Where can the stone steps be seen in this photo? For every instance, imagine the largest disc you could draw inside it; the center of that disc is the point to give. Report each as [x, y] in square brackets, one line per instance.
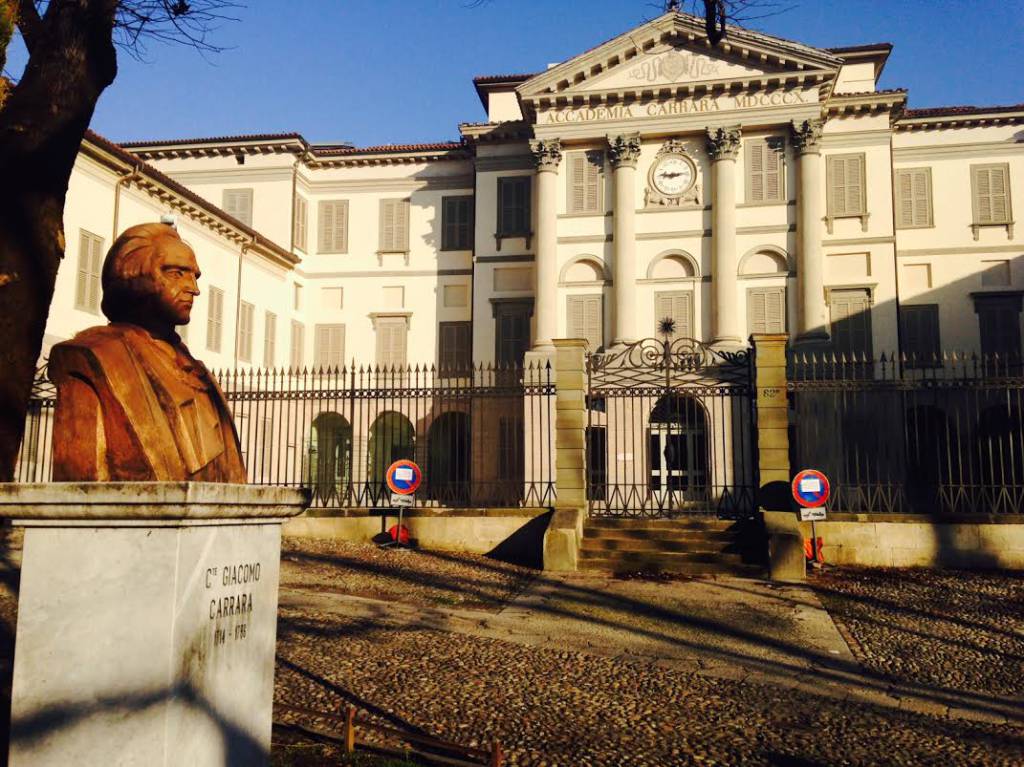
[687, 546]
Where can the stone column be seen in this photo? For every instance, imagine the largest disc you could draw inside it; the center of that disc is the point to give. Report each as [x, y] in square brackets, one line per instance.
[547, 153]
[623, 152]
[723, 147]
[565, 531]
[812, 322]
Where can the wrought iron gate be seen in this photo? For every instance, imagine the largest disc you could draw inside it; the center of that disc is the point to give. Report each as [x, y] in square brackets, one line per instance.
[671, 430]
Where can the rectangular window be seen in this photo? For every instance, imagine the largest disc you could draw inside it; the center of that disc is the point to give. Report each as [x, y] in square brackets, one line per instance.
[584, 184]
[846, 185]
[766, 310]
[394, 226]
[765, 158]
[329, 346]
[455, 347]
[919, 335]
[298, 344]
[999, 325]
[677, 306]
[238, 203]
[851, 322]
[214, 319]
[391, 341]
[514, 206]
[990, 189]
[585, 319]
[301, 220]
[332, 298]
[512, 331]
[457, 223]
[914, 198]
[332, 226]
[269, 340]
[246, 318]
[90, 265]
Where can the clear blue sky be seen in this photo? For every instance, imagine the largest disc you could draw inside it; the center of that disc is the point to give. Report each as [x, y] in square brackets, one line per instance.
[373, 72]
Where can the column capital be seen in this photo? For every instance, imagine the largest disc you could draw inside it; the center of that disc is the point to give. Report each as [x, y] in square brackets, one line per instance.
[724, 142]
[547, 153]
[624, 150]
[807, 136]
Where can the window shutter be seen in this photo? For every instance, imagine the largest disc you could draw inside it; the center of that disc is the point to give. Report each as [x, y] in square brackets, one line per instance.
[991, 194]
[913, 192]
[298, 344]
[391, 350]
[755, 170]
[394, 225]
[846, 185]
[238, 203]
[757, 313]
[215, 319]
[774, 157]
[454, 342]
[594, 162]
[387, 224]
[269, 339]
[329, 346]
[402, 225]
[90, 266]
[854, 184]
[919, 331]
[299, 232]
[577, 182]
[245, 328]
[851, 321]
[585, 319]
[514, 206]
[677, 306]
[332, 226]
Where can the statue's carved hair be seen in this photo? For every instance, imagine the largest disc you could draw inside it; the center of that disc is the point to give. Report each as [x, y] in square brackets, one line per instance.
[130, 267]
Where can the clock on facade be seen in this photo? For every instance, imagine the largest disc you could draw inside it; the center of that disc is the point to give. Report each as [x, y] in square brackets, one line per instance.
[673, 174]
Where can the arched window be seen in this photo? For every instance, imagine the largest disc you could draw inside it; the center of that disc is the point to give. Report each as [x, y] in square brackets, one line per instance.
[391, 438]
[330, 457]
[447, 476]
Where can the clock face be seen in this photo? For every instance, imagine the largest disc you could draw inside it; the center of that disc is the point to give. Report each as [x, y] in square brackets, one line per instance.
[673, 175]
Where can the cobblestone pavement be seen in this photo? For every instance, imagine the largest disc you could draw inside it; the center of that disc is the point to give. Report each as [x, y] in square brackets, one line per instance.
[948, 629]
[586, 671]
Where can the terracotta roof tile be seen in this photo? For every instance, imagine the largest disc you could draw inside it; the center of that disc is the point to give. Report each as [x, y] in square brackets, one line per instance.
[216, 140]
[858, 48]
[385, 148]
[954, 111]
[484, 79]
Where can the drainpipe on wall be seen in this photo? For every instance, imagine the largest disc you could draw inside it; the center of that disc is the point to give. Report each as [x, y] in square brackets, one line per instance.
[127, 178]
[238, 292]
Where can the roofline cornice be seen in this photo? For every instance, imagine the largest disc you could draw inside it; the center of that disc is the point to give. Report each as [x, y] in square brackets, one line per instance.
[865, 103]
[177, 197]
[960, 120]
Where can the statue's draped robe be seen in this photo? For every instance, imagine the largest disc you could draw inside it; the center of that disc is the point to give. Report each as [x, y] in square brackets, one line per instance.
[134, 407]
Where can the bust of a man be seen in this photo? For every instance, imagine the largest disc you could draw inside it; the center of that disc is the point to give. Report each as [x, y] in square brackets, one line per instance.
[132, 403]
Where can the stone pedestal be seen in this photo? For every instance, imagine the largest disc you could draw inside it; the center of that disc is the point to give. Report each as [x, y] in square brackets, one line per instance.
[147, 620]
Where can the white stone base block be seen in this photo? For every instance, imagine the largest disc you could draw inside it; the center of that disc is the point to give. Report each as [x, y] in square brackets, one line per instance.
[146, 637]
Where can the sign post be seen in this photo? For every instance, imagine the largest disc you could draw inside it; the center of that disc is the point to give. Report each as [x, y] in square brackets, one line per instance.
[403, 477]
[811, 489]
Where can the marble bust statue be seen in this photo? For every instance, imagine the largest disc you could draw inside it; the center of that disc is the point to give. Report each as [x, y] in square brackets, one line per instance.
[132, 403]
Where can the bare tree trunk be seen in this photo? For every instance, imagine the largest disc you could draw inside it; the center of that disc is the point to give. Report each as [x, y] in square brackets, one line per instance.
[71, 61]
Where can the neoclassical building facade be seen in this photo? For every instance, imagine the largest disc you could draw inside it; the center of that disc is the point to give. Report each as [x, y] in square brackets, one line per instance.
[759, 185]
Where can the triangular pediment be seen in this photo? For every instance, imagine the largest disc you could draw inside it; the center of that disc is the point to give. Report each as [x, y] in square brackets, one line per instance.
[673, 50]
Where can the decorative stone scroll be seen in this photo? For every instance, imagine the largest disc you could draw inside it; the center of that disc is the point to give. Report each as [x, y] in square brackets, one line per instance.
[624, 151]
[724, 143]
[807, 136]
[547, 153]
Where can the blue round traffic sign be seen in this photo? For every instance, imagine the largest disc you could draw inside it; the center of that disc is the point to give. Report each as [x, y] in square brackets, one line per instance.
[811, 488]
[403, 477]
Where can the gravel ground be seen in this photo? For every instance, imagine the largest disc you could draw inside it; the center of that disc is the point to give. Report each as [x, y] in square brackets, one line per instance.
[958, 630]
[427, 578]
[574, 709]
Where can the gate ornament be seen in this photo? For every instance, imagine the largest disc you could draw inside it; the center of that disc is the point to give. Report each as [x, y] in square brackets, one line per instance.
[132, 403]
[666, 360]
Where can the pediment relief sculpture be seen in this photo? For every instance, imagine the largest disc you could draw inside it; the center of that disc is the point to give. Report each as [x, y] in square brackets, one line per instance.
[672, 177]
[133, 404]
[671, 66]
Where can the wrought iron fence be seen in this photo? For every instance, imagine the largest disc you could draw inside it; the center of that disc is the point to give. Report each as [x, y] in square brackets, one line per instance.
[671, 430]
[483, 436]
[903, 434]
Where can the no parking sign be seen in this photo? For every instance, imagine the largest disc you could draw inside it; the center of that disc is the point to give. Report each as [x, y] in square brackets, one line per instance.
[403, 477]
[811, 490]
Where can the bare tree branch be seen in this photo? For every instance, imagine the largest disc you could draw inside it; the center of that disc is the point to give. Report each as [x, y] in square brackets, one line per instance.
[191, 23]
